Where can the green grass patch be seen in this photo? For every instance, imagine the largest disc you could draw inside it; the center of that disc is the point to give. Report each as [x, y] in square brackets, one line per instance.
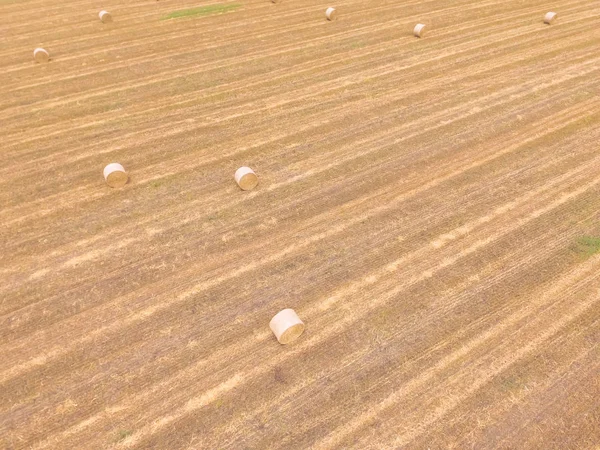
[509, 384]
[357, 44]
[203, 11]
[123, 434]
[587, 246]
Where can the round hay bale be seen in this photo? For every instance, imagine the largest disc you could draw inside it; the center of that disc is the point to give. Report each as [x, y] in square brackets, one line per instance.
[105, 16]
[246, 178]
[286, 326]
[419, 30]
[40, 55]
[550, 17]
[115, 175]
[330, 13]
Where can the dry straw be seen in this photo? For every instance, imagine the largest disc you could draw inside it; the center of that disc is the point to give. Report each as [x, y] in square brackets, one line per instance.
[286, 326]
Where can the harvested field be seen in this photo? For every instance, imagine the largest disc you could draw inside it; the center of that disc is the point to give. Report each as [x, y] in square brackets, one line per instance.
[429, 207]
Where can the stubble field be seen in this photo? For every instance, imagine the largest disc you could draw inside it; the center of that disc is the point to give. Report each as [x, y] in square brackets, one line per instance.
[430, 208]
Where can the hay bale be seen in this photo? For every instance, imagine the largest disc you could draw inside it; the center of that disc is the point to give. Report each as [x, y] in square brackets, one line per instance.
[330, 13]
[246, 178]
[40, 55]
[550, 17]
[105, 16]
[115, 175]
[419, 30]
[286, 326]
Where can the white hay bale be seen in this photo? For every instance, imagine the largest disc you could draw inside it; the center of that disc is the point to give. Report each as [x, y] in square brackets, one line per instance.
[286, 326]
[246, 178]
[40, 55]
[105, 16]
[550, 17]
[330, 13]
[115, 175]
[419, 30]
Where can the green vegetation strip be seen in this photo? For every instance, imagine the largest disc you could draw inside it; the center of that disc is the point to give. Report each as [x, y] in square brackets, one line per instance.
[203, 11]
[588, 246]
